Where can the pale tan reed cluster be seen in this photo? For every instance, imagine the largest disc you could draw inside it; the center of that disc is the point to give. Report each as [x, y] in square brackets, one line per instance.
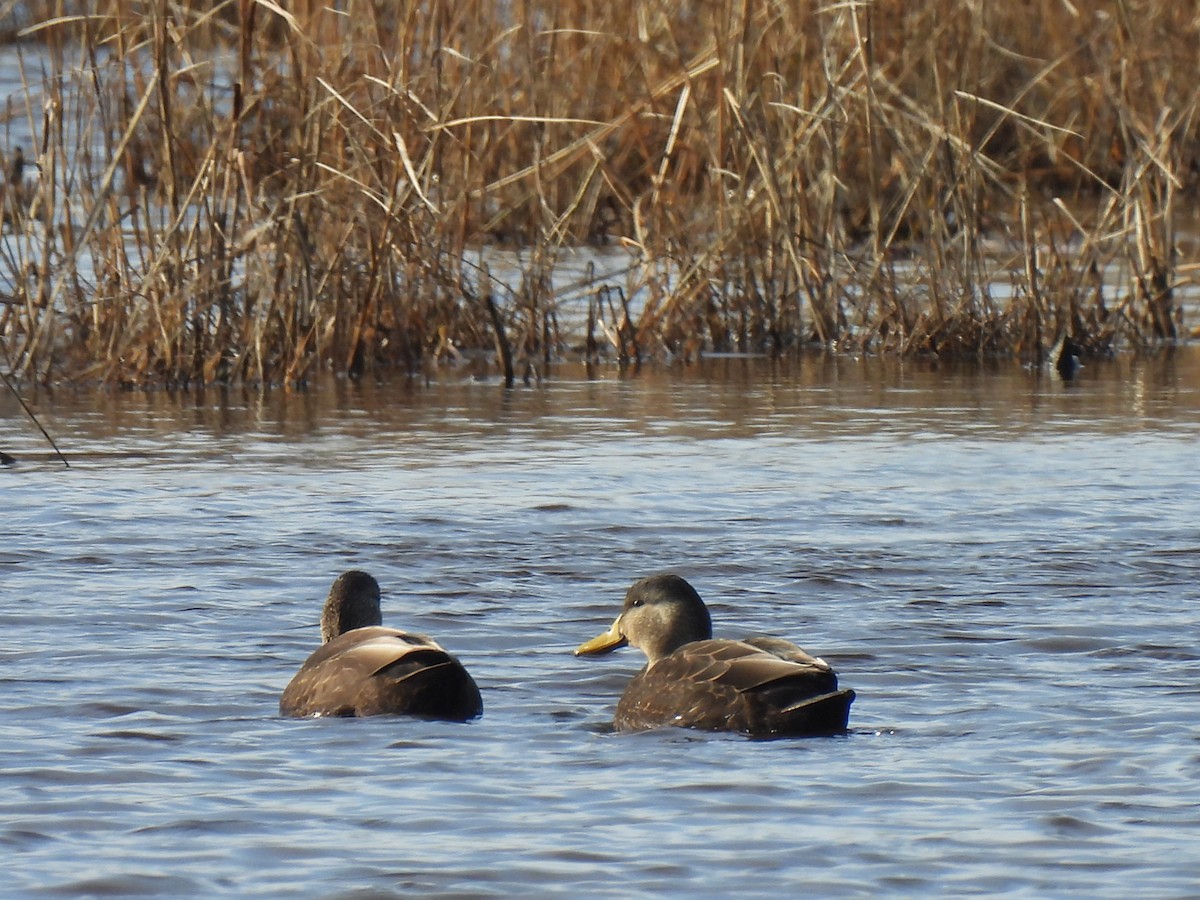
[256, 191]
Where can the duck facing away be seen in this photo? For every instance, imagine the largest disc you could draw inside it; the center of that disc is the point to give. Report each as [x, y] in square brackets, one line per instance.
[760, 686]
[366, 669]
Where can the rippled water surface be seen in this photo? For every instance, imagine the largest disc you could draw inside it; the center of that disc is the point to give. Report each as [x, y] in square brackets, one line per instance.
[1004, 567]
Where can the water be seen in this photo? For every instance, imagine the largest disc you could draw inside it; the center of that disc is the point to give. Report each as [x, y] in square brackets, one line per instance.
[1004, 567]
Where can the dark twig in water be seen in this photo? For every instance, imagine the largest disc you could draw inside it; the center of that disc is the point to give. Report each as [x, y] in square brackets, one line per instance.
[34, 419]
[501, 339]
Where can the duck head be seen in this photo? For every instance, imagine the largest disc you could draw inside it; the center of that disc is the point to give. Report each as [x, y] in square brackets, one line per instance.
[353, 602]
[660, 614]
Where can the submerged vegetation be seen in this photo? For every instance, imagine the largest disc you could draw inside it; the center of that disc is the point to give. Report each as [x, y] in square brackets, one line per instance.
[255, 191]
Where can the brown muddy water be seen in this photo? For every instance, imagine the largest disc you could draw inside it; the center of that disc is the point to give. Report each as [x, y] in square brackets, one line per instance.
[1005, 567]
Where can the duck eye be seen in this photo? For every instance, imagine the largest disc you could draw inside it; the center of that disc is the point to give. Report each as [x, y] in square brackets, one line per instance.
[638, 603]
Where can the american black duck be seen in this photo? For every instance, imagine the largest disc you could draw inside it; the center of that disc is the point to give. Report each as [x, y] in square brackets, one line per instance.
[365, 669]
[1067, 362]
[759, 686]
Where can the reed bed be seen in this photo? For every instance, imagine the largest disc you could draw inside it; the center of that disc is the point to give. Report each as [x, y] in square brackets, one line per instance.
[258, 192]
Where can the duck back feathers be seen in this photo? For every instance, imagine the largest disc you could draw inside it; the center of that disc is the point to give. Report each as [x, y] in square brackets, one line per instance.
[373, 670]
[725, 685]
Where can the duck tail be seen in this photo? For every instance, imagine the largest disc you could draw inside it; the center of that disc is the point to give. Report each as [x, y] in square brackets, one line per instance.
[823, 714]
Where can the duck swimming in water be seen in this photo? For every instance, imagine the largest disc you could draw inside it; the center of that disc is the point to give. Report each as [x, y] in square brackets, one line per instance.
[367, 669]
[760, 686]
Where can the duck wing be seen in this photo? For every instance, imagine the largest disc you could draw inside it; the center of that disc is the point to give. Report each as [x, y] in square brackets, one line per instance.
[764, 687]
[786, 650]
[378, 670]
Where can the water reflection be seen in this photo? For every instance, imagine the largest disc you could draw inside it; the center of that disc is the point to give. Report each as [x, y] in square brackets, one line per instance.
[749, 396]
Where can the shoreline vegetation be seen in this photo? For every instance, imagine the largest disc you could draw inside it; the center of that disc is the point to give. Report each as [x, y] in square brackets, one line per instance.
[251, 192]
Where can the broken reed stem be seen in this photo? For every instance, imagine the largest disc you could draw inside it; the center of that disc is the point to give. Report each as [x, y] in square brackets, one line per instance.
[33, 418]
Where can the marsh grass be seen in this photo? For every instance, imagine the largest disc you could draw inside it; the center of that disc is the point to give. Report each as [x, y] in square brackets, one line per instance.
[238, 192]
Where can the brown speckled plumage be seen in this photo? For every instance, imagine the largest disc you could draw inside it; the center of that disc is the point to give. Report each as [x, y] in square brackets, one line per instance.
[367, 669]
[760, 686]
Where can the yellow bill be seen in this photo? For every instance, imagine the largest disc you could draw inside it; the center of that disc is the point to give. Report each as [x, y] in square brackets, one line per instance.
[610, 640]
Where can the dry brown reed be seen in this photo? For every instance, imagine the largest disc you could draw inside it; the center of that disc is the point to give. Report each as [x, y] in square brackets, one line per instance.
[257, 191]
